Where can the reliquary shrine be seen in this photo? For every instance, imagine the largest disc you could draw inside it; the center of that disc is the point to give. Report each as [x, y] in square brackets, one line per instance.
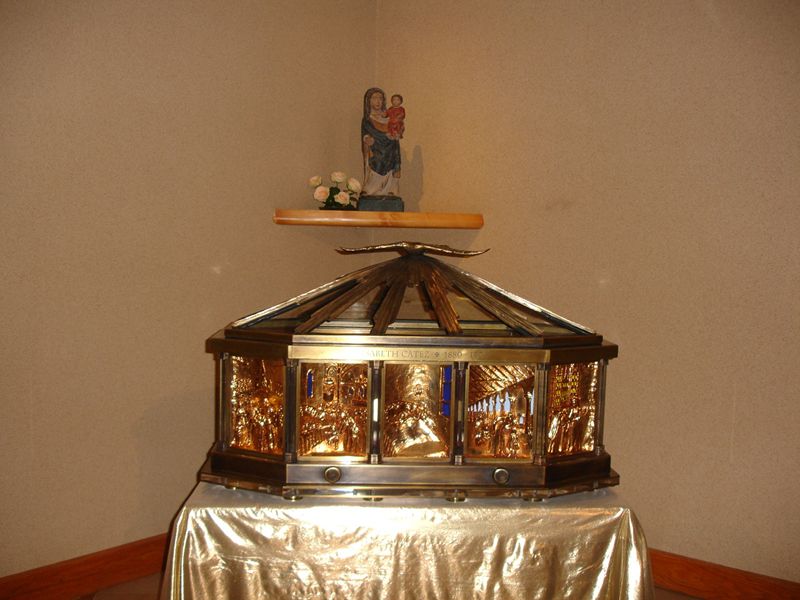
[410, 376]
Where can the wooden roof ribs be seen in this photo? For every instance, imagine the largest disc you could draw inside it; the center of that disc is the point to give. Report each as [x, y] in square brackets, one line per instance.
[369, 280]
[386, 314]
[434, 280]
[437, 292]
[505, 313]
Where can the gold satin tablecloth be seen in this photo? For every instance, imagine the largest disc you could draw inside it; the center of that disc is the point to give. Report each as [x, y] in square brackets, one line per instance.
[239, 544]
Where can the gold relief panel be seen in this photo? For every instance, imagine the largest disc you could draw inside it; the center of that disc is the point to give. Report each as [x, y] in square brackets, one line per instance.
[256, 401]
[417, 405]
[571, 405]
[333, 409]
[500, 411]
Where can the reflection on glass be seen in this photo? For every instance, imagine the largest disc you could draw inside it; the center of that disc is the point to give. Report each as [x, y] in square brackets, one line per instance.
[572, 399]
[416, 306]
[333, 409]
[500, 411]
[417, 411]
[256, 404]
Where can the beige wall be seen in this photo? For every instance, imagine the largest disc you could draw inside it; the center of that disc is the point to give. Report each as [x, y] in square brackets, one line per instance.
[144, 146]
[637, 166]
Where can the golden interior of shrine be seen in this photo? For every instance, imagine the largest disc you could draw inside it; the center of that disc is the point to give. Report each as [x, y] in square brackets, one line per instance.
[417, 420]
[500, 409]
[256, 399]
[572, 392]
[333, 409]
[417, 411]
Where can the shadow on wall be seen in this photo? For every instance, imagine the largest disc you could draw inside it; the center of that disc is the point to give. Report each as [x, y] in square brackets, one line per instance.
[412, 191]
[411, 179]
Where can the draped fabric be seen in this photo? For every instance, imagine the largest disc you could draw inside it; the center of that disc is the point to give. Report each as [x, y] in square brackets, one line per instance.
[238, 544]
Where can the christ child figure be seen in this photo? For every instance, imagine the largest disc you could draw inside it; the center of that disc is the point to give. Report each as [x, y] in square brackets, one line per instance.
[397, 116]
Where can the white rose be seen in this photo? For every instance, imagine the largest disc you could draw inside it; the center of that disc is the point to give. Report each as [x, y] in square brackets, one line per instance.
[354, 185]
[315, 181]
[338, 177]
[342, 198]
[321, 193]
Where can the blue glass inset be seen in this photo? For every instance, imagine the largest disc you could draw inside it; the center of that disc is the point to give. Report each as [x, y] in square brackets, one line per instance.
[447, 381]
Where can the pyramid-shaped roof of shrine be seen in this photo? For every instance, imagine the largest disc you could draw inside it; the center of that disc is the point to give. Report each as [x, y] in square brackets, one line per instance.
[412, 299]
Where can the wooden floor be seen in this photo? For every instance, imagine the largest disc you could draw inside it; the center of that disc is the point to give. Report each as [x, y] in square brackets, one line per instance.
[147, 589]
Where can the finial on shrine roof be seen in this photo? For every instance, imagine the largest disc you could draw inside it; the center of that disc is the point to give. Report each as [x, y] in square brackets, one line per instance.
[409, 248]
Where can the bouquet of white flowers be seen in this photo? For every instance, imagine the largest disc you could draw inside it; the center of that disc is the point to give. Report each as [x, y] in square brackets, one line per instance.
[342, 194]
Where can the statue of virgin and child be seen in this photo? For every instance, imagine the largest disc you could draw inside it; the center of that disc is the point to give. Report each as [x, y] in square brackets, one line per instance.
[381, 131]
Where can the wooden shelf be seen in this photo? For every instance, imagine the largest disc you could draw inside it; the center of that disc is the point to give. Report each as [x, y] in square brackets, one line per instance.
[355, 218]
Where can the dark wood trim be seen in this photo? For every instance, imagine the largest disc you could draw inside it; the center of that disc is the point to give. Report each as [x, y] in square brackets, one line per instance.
[87, 574]
[84, 575]
[708, 580]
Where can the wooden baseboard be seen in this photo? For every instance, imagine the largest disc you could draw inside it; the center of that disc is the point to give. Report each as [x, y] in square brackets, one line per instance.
[708, 580]
[84, 575]
[87, 574]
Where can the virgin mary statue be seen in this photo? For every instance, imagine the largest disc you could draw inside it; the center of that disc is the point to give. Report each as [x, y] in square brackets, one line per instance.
[381, 152]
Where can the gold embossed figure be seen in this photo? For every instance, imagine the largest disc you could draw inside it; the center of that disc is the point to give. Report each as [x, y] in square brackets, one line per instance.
[572, 400]
[333, 413]
[414, 426]
[498, 416]
[256, 397]
[497, 429]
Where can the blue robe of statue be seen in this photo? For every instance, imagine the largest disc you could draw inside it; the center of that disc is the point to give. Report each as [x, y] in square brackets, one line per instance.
[384, 156]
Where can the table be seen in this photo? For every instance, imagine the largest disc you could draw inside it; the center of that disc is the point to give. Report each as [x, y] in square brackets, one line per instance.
[240, 544]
